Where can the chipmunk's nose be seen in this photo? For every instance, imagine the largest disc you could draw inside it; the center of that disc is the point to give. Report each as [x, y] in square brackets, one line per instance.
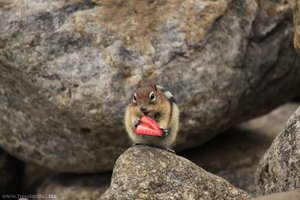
[144, 110]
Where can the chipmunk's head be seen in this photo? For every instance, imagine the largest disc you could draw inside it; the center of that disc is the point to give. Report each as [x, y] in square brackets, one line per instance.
[146, 98]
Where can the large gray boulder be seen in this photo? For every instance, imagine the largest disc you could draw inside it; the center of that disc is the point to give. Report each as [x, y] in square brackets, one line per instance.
[67, 70]
[149, 173]
[279, 168]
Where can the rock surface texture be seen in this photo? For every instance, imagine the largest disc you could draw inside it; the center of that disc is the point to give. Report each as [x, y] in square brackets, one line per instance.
[11, 171]
[279, 169]
[68, 67]
[74, 186]
[291, 195]
[297, 25]
[235, 159]
[235, 154]
[150, 173]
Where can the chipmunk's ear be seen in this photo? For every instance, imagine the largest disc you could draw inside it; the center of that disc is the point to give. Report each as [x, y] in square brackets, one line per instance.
[154, 87]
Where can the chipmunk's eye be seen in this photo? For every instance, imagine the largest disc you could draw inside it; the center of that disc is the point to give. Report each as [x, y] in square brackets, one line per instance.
[152, 97]
[134, 99]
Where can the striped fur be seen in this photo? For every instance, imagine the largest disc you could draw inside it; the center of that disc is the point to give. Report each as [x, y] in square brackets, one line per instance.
[165, 107]
[167, 93]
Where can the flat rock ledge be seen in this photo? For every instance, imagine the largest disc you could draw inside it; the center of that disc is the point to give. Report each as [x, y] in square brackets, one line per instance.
[150, 173]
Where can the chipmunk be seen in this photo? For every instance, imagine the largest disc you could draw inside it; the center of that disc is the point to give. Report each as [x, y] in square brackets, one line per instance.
[159, 104]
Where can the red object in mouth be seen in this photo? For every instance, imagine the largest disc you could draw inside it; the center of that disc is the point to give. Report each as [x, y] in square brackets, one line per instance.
[149, 127]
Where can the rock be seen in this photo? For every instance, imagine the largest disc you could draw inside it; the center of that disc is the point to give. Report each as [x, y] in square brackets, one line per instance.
[74, 186]
[297, 25]
[68, 68]
[149, 173]
[11, 171]
[271, 124]
[235, 154]
[291, 195]
[279, 168]
[235, 159]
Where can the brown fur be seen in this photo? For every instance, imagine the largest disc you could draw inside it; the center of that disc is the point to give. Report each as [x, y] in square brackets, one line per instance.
[161, 105]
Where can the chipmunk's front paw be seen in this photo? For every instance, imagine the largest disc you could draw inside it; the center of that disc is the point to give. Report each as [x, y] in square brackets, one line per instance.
[165, 131]
[136, 122]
